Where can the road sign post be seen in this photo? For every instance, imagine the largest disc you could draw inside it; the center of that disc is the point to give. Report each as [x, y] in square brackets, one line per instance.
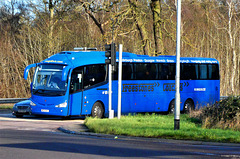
[111, 61]
[120, 81]
[111, 112]
[177, 79]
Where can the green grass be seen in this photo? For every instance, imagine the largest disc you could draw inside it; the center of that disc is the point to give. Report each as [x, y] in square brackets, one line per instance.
[161, 126]
[6, 106]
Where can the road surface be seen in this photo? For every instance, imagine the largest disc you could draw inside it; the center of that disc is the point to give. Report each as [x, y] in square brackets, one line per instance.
[37, 138]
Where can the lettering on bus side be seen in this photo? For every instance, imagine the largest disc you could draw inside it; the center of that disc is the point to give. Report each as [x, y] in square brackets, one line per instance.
[171, 86]
[139, 87]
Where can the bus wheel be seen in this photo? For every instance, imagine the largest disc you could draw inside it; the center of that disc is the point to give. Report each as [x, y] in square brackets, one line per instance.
[188, 106]
[97, 110]
[171, 107]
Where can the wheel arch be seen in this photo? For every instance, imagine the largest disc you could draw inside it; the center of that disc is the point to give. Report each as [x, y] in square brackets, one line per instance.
[172, 101]
[170, 109]
[187, 109]
[190, 99]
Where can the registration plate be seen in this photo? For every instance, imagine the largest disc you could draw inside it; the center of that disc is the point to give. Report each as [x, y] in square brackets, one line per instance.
[22, 111]
[45, 110]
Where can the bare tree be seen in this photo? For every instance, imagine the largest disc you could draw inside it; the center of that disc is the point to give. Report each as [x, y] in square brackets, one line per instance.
[157, 26]
[136, 13]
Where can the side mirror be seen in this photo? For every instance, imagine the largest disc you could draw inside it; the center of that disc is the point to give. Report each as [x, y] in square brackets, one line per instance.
[26, 71]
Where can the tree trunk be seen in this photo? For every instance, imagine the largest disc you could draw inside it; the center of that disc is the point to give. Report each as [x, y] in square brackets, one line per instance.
[51, 9]
[157, 23]
[232, 44]
[140, 26]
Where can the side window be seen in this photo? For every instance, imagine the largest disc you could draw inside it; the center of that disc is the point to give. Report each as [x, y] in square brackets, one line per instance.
[213, 72]
[167, 71]
[172, 71]
[152, 71]
[163, 71]
[76, 80]
[197, 71]
[141, 71]
[203, 71]
[145, 71]
[127, 69]
[188, 71]
[94, 74]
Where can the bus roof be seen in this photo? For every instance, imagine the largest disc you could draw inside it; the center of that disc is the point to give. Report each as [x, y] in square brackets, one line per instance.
[80, 58]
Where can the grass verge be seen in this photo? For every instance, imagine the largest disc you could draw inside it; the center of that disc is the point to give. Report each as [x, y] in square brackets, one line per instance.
[161, 126]
[6, 106]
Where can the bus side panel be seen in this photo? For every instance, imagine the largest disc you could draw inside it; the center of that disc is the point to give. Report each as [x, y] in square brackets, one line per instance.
[152, 96]
[137, 96]
[143, 96]
[156, 95]
[206, 92]
[202, 92]
[167, 94]
[90, 96]
[75, 103]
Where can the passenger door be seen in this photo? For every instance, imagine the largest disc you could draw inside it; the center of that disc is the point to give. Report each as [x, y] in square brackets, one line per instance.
[76, 93]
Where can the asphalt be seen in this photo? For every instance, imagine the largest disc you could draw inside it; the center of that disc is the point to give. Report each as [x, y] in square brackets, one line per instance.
[81, 129]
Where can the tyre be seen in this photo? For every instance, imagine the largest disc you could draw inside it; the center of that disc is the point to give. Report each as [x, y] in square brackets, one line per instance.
[188, 106]
[97, 110]
[171, 107]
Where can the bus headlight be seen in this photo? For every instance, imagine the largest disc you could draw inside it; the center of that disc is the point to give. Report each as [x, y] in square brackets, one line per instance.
[62, 105]
[32, 104]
